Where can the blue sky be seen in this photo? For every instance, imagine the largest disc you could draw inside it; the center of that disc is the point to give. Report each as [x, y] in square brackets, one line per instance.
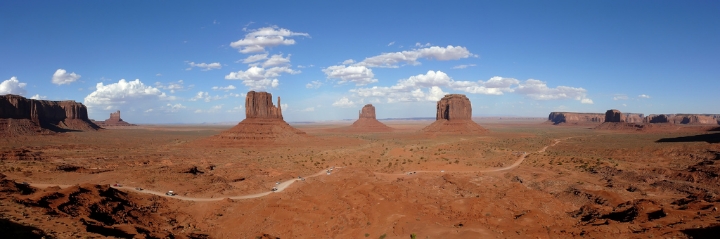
[193, 61]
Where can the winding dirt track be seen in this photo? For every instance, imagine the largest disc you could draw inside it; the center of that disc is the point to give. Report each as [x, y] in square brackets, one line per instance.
[282, 186]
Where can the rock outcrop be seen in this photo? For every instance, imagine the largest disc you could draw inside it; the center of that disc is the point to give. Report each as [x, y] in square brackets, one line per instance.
[263, 124]
[114, 120]
[367, 122]
[259, 105]
[367, 112]
[614, 116]
[454, 115]
[22, 116]
[615, 120]
[690, 119]
[573, 118]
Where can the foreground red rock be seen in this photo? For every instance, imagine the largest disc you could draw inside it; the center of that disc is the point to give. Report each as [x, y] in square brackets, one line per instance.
[263, 124]
[114, 120]
[454, 115]
[22, 116]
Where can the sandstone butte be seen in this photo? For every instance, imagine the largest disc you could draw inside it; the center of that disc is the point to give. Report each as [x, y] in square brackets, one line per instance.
[263, 123]
[22, 116]
[454, 115]
[367, 122]
[114, 120]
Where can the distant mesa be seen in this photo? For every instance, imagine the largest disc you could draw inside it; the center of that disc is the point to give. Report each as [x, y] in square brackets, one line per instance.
[21, 116]
[454, 115]
[689, 119]
[573, 118]
[614, 120]
[263, 124]
[114, 120]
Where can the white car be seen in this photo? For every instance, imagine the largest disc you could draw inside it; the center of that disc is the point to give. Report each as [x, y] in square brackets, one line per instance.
[170, 193]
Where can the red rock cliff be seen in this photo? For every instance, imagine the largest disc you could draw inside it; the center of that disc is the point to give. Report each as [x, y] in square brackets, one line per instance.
[260, 105]
[367, 112]
[46, 114]
[570, 117]
[454, 107]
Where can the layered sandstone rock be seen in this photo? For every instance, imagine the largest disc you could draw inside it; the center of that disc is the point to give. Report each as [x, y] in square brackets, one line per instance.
[454, 107]
[367, 112]
[691, 119]
[21, 116]
[260, 105]
[593, 118]
[576, 118]
[367, 122]
[263, 124]
[614, 116]
[454, 115]
[114, 120]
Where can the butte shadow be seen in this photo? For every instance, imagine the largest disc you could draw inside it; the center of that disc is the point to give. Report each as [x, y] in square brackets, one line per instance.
[454, 116]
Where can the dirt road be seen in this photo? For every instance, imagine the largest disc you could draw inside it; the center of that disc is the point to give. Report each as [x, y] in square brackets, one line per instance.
[284, 185]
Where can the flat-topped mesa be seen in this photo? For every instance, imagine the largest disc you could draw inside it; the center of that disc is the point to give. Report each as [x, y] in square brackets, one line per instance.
[454, 107]
[260, 105]
[575, 118]
[454, 115]
[56, 116]
[367, 112]
[692, 119]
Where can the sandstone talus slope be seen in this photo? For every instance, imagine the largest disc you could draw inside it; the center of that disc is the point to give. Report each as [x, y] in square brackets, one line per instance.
[454, 115]
[263, 123]
[22, 116]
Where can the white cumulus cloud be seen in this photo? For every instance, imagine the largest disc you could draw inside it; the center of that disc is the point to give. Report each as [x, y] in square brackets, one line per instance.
[61, 77]
[123, 92]
[204, 66]
[254, 58]
[257, 78]
[586, 101]
[463, 66]
[344, 103]
[359, 75]
[12, 86]
[308, 109]
[313, 84]
[394, 59]
[538, 90]
[258, 39]
[644, 96]
[172, 86]
[277, 60]
[225, 88]
[412, 88]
